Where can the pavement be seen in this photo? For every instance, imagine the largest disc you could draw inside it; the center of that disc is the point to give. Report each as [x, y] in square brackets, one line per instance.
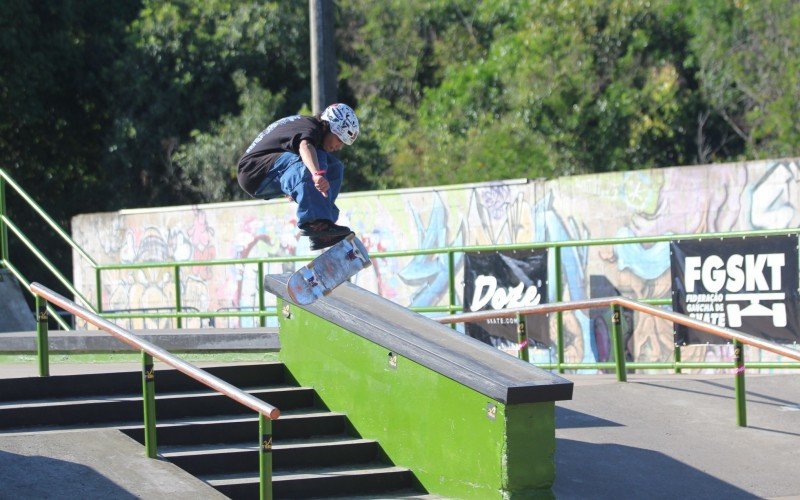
[655, 436]
[101, 463]
[675, 436]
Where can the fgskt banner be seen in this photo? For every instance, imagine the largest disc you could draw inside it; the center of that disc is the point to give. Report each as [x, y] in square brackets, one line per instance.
[503, 280]
[748, 284]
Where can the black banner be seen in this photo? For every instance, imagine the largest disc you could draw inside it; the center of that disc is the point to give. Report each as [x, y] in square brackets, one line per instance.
[503, 280]
[747, 284]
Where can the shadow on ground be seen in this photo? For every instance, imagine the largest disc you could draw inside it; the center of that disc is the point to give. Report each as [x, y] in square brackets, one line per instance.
[586, 470]
[44, 477]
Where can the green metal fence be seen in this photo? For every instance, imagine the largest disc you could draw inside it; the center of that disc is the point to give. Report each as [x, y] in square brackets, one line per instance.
[179, 312]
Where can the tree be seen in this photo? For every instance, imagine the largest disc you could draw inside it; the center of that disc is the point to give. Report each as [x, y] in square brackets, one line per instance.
[209, 159]
[54, 106]
[489, 90]
[177, 80]
[749, 75]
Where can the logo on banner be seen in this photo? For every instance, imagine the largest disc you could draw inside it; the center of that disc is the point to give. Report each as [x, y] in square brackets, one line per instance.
[487, 292]
[734, 288]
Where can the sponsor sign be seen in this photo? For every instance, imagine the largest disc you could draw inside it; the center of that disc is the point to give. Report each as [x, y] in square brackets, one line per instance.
[504, 280]
[747, 284]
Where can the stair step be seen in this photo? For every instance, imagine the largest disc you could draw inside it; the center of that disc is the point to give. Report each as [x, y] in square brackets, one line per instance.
[293, 424]
[161, 393]
[98, 410]
[214, 437]
[323, 482]
[130, 382]
[243, 457]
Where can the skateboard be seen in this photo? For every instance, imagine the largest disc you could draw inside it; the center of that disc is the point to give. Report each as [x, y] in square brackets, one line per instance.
[328, 270]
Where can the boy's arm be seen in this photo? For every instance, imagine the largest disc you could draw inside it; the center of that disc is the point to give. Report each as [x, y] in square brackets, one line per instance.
[308, 153]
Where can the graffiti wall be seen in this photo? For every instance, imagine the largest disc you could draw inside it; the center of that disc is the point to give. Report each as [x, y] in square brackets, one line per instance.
[680, 200]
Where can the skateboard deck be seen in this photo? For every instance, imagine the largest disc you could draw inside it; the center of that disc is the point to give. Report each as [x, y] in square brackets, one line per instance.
[328, 270]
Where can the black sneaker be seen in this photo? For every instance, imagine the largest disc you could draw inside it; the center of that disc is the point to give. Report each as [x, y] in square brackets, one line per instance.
[323, 227]
[320, 242]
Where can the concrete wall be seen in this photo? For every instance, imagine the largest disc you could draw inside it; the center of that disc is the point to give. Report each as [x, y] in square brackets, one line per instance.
[698, 199]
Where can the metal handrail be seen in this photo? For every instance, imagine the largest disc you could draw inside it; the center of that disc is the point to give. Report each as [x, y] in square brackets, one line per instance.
[635, 305]
[53, 224]
[132, 340]
[739, 338]
[44, 260]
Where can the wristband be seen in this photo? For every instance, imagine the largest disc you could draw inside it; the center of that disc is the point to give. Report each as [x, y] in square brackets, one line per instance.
[319, 173]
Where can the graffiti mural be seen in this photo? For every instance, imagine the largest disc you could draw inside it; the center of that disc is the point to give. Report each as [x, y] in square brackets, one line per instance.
[669, 201]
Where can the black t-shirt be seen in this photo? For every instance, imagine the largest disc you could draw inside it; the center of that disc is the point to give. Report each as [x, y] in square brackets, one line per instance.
[279, 137]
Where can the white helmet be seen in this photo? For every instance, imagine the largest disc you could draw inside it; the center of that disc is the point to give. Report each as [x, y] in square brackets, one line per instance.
[343, 122]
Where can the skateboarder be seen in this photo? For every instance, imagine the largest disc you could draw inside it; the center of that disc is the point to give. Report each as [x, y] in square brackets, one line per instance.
[293, 157]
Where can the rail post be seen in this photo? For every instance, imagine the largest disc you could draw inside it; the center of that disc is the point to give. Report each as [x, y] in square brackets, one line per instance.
[262, 319]
[616, 335]
[99, 289]
[559, 315]
[3, 228]
[42, 347]
[177, 271]
[522, 338]
[149, 404]
[741, 394]
[678, 359]
[265, 457]
[451, 269]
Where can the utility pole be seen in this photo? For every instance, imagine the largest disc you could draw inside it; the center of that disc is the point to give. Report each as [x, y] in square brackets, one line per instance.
[323, 55]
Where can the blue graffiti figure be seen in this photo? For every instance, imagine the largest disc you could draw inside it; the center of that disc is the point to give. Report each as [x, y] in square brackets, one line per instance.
[430, 272]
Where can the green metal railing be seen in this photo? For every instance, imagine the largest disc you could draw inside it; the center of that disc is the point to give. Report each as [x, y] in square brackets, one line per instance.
[620, 365]
[5, 259]
[266, 412]
[555, 247]
[179, 312]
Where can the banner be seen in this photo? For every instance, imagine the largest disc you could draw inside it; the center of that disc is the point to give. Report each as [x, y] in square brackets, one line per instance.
[503, 280]
[747, 284]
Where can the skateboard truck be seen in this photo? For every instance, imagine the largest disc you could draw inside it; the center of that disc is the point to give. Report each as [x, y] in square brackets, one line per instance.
[310, 277]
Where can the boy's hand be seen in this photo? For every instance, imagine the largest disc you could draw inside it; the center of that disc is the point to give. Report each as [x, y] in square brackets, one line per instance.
[321, 183]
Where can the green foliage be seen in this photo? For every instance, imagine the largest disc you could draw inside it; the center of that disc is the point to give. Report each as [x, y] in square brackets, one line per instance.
[175, 82]
[749, 72]
[154, 100]
[208, 161]
[54, 109]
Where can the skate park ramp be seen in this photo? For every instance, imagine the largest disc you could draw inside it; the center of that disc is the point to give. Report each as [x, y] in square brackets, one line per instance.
[17, 316]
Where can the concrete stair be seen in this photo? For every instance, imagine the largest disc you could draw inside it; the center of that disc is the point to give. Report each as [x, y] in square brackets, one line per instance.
[315, 452]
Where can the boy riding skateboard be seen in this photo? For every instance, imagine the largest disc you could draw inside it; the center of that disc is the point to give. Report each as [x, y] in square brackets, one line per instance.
[293, 157]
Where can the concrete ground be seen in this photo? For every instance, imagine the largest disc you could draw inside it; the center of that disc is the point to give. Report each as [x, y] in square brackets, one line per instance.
[90, 464]
[675, 436]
